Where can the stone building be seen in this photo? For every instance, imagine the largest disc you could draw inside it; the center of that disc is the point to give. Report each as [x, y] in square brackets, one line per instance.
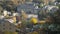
[7, 26]
[1, 32]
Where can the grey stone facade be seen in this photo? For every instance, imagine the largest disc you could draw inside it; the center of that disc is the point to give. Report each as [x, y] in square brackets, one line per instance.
[7, 26]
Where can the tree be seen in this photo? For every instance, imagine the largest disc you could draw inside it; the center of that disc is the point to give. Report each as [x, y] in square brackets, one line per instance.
[8, 5]
[57, 18]
[34, 20]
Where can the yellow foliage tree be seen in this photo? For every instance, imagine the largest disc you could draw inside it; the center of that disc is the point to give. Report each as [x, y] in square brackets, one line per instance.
[33, 32]
[14, 19]
[9, 32]
[14, 32]
[24, 15]
[34, 20]
[6, 32]
[15, 2]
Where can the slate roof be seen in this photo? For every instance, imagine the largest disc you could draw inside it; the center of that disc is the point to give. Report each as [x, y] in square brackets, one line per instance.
[27, 7]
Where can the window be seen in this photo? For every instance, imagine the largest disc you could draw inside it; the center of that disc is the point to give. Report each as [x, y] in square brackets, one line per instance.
[3, 24]
[10, 24]
[0, 23]
[10, 28]
[3, 28]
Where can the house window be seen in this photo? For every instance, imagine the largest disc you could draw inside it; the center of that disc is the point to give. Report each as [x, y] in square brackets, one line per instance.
[10, 24]
[3, 28]
[10, 28]
[3, 24]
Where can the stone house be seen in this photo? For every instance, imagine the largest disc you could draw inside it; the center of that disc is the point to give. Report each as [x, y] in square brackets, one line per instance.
[7, 26]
